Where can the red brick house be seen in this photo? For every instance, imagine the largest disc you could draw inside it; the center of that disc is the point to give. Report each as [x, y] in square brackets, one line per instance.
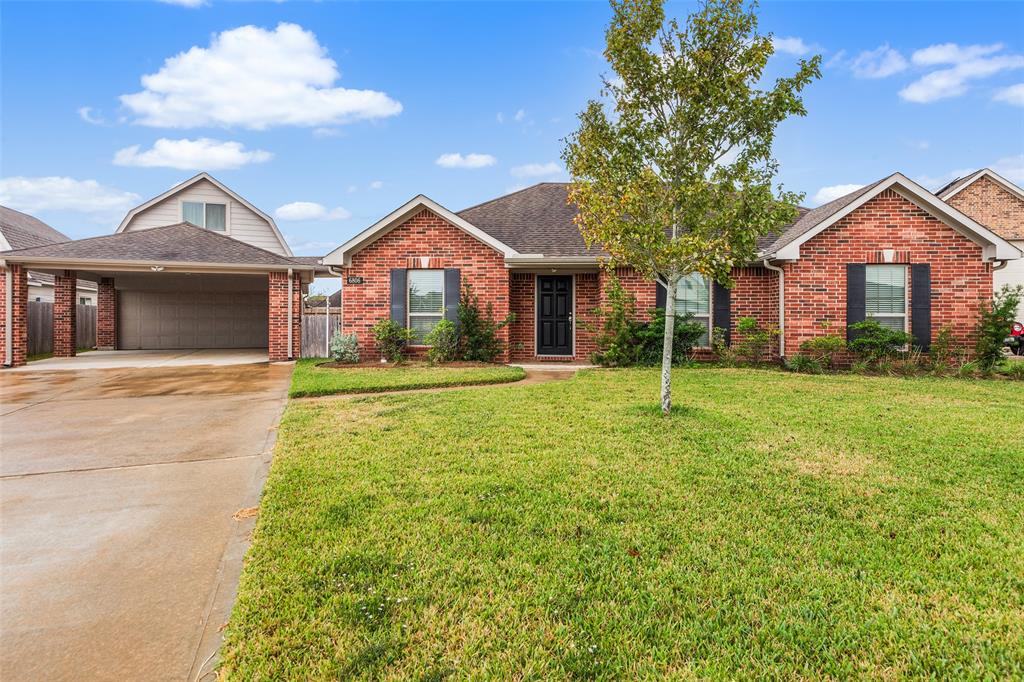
[892, 251]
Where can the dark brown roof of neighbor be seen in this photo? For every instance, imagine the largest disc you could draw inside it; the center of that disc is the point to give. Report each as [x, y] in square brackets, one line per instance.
[22, 230]
[181, 242]
[954, 185]
[538, 219]
[48, 280]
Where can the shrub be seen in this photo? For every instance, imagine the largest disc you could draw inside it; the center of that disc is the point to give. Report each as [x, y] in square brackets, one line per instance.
[944, 353]
[443, 341]
[344, 347]
[720, 348]
[874, 342]
[651, 337]
[392, 340]
[823, 349]
[756, 344]
[478, 331]
[994, 320]
[1014, 369]
[617, 340]
[805, 364]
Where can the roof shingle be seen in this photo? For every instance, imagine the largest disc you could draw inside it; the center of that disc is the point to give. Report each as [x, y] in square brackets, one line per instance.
[22, 230]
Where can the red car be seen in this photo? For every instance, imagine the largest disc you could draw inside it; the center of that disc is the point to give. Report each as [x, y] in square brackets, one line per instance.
[1015, 341]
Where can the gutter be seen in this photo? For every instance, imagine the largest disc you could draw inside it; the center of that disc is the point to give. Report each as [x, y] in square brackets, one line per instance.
[782, 305]
[1002, 264]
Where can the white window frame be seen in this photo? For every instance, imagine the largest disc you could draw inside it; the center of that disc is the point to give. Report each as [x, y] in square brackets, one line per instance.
[711, 310]
[906, 296]
[227, 213]
[409, 314]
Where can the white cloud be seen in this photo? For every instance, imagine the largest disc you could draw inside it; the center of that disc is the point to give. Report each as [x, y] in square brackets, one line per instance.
[536, 170]
[831, 193]
[838, 59]
[501, 117]
[794, 46]
[185, 3]
[86, 114]
[327, 132]
[54, 193]
[1011, 168]
[376, 184]
[254, 78]
[468, 161]
[520, 115]
[881, 62]
[966, 63]
[309, 210]
[1012, 95]
[200, 154]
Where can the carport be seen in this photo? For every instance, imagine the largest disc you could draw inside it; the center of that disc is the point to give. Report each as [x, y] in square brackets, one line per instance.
[166, 288]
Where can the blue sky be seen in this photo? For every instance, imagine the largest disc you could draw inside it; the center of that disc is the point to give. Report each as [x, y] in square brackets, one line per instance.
[329, 115]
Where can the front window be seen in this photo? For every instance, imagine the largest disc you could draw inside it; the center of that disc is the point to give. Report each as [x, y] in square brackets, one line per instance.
[886, 295]
[211, 216]
[426, 301]
[693, 297]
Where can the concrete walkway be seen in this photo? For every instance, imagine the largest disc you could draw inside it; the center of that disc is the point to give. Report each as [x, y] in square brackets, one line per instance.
[124, 359]
[119, 549]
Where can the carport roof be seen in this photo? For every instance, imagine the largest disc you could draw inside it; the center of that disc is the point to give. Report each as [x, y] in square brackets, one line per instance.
[178, 244]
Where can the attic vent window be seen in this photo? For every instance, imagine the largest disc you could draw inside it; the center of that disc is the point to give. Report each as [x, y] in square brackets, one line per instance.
[211, 216]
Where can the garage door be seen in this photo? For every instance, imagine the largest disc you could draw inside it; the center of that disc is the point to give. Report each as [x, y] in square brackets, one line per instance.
[191, 319]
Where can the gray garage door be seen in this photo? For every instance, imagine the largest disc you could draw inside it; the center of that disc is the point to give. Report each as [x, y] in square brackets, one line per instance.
[191, 319]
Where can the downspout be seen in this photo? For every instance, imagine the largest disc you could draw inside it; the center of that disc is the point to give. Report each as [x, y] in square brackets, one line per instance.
[1002, 264]
[291, 288]
[782, 306]
[8, 313]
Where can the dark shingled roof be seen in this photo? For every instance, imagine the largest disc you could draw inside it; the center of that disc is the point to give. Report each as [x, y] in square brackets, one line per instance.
[538, 219]
[809, 219]
[954, 185]
[22, 230]
[181, 242]
[48, 280]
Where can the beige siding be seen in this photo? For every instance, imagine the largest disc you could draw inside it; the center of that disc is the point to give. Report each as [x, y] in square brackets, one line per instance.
[243, 224]
[1012, 275]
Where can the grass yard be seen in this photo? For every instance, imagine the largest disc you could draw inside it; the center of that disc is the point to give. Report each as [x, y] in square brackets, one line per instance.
[777, 525]
[310, 380]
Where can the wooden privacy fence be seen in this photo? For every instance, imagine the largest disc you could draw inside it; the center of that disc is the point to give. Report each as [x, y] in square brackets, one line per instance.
[40, 327]
[317, 329]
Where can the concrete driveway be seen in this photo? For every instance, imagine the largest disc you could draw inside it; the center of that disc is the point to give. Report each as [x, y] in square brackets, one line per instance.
[120, 546]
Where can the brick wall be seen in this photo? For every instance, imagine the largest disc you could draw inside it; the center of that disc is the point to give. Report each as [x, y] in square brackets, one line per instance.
[423, 235]
[106, 315]
[992, 206]
[19, 316]
[64, 302]
[755, 294]
[816, 283]
[278, 316]
[522, 332]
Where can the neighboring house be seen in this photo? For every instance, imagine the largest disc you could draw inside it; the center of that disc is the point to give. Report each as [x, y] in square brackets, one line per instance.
[998, 203]
[890, 251]
[196, 267]
[20, 230]
[206, 202]
[332, 301]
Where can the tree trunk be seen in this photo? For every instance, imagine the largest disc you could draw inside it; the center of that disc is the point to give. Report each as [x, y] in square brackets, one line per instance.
[666, 348]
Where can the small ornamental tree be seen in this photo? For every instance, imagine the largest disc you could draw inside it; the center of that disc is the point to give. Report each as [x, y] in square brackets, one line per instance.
[677, 176]
[994, 320]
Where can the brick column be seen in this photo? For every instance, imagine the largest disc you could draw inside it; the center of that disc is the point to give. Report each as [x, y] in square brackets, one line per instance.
[64, 290]
[19, 316]
[106, 315]
[277, 327]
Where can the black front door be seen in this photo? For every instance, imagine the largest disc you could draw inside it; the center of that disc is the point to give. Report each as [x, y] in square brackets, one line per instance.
[554, 315]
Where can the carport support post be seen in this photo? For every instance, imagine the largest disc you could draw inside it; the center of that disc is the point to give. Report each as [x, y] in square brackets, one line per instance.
[284, 310]
[106, 315]
[64, 290]
[14, 316]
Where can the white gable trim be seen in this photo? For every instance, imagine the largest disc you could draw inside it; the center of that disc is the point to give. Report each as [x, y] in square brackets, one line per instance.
[343, 254]
[991, 175]
[219, 185]
[994, 246]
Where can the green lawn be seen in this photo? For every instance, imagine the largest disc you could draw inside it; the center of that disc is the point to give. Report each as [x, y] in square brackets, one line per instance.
[777, 525]
[310, 380]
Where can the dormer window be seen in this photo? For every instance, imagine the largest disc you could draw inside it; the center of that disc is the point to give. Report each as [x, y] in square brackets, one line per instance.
[211, 216]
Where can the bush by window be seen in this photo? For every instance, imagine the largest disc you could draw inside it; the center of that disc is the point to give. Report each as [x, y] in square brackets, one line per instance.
[344, 348]
[392, 340]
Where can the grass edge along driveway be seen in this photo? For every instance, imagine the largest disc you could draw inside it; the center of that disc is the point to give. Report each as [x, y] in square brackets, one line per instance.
[775, 525]
[309, 379]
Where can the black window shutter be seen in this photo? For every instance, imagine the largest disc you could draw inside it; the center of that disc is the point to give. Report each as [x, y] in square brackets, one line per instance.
[398, 295]
[452, 287]
[660, 295]
[921, 305]
[856, 286]
[723, 311]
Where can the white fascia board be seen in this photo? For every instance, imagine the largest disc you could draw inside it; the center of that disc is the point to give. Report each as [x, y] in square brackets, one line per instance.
[537, 259]
[342, 256]
[993, 246]
[219, 185]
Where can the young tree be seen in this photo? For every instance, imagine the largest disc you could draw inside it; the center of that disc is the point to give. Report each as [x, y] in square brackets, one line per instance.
[677, 178]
